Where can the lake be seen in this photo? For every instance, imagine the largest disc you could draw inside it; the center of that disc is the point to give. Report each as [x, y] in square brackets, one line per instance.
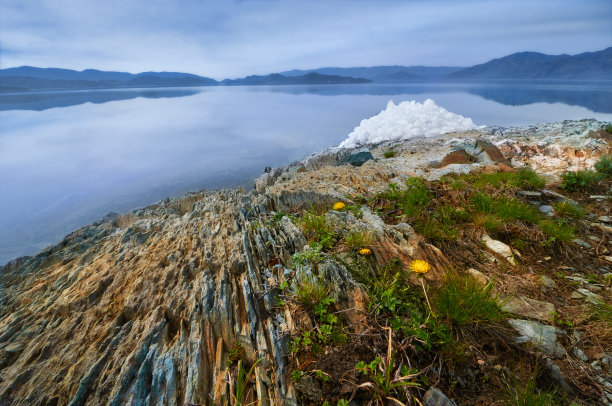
[68, 158]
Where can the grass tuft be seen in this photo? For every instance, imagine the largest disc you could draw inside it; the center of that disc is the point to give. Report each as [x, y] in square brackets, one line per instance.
[567, 209]
[356, 239]
[411, 200]
[316, 229]
[389, 153]
[462, 301]
[558, 230]
[523, 179]
[309, 289]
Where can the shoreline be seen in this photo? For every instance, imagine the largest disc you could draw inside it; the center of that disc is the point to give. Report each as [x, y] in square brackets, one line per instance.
[331, 155]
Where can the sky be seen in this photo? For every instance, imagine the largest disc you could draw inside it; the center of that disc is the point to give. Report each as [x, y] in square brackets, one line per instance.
[228, 39]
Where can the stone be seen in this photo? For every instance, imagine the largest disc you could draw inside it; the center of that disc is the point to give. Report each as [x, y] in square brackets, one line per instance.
[580, 354]
[586, 294]
[605, 219]
[558, 196]
[540, 335]
[547, 282]
[357, 159]
[435, 397]
[529, 194]
[527, 307]
[581, 243]
[479, 276]
[555, 373]
[546, 209]
[499, 248]
[602, 227]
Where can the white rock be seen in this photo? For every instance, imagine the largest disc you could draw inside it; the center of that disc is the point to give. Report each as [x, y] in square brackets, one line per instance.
[499, 248]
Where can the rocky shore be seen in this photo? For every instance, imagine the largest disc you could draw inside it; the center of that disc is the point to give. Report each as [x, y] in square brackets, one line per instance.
[174, 303]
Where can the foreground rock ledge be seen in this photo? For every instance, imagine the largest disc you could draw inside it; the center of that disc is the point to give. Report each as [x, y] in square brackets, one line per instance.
[144, 308]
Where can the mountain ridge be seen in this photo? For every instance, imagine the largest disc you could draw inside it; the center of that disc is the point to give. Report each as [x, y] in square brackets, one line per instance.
[526, 65]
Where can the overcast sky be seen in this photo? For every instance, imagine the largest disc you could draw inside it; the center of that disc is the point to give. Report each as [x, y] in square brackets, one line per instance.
[227, 38]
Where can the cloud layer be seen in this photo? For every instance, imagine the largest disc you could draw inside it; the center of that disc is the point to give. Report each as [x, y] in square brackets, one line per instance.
[224, 39]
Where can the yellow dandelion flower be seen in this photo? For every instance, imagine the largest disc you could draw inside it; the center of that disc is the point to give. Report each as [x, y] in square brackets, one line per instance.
[420, 267]
[365, 251]
[339, 206]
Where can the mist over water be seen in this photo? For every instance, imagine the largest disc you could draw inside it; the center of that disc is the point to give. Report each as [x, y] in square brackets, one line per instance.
[69, 158]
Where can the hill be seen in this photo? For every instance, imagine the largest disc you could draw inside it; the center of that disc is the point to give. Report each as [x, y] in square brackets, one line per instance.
[534, 65]
[25, 78]
[311, 78]
[384, 73]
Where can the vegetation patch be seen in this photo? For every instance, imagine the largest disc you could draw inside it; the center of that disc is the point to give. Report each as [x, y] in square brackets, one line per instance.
[462, 301]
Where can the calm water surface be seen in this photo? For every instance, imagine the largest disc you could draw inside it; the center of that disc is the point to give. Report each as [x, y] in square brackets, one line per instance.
[69, 158]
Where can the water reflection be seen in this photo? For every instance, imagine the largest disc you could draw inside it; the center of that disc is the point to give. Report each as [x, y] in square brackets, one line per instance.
[595, 96]
[47, 100]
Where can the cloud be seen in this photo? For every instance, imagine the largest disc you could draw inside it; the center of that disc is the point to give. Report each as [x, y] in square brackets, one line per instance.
[229, 39]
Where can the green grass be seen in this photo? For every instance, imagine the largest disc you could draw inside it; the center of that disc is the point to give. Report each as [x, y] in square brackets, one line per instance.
[442, 224]
[604, 166]
[579, 181]
[558, 230]
[411, 200]
[316, 229]
[602, 311]
[505, 208]
[528, 395]
[567, 209]
[356, 239]
[609, 128]
[389, 153]
[462, 301]
[522, 179]
[309, 289]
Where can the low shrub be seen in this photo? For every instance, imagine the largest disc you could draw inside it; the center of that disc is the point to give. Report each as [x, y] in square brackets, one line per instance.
[604, 166]
[579, 181]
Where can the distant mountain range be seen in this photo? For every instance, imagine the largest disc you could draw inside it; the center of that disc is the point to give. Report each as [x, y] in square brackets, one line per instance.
[533, 65]
[518, 66]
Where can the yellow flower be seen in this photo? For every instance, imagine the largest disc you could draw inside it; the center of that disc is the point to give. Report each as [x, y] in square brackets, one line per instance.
[420, 267]
[339, 206]
[365, 251]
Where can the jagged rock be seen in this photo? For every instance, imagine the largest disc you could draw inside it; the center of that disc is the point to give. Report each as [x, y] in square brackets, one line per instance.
[527, 307]
[485, 152]
[435, 397]
[540, 335]
[126, 322]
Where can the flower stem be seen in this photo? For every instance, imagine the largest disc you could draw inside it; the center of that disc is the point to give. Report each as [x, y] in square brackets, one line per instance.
[426, 297]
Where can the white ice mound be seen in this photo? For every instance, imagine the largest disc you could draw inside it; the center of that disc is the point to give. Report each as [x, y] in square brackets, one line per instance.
[408, 119]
